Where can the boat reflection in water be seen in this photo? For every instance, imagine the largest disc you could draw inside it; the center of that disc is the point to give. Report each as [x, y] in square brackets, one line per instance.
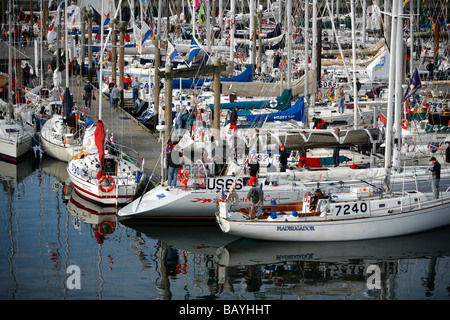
[392, 268]
[102, 219]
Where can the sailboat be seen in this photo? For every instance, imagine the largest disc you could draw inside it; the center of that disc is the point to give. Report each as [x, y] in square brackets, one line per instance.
[100, 173]
[355, 215]
[61, 136]
[15, 135]
[15, 139]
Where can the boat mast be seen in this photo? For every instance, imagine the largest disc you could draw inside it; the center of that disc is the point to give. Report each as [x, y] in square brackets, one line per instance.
[314, 48]
[398, 87]
[42, 41]
[100, 76]
[289, 49]
[10, 93]
[306, 96]
[66, 40]
[232, 29]
[355, 90]
[390, 105]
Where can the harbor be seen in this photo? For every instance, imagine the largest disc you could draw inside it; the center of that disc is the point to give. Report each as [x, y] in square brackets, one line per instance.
[205, 151]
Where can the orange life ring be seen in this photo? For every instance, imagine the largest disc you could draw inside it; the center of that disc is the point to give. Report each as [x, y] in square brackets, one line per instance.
[111, 187]
[183, 176]
[404, 123]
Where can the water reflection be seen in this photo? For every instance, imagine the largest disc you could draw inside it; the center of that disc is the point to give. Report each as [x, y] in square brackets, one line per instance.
[48, 227]
[342, 269]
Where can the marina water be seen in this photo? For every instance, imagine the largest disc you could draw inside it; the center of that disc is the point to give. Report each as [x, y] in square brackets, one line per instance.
[57, 246]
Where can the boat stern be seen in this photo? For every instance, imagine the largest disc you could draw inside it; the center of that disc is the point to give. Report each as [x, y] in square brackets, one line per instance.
[222, 215]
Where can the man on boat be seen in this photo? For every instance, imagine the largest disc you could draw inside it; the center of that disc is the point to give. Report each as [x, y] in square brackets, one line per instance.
[340, 93]
[253, 167]
[435, 176]
[315, 199]
[283, 159]
[175, 163]
[255, 197]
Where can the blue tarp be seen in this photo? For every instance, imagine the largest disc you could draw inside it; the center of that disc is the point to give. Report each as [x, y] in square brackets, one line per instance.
[296, 112]
[244, 76]
[283, 103]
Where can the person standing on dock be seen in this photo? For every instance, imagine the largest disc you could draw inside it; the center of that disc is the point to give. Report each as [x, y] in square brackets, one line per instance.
[135, 86]
[115, 96]
[87, 95]
[111, 87]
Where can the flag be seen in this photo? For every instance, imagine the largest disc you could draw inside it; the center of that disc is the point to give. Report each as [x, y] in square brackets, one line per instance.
[171, 52]
[193, 51]
[100, 140]
[201, 13]
[222, 197]
[111, 138]
[425, 56]
[197, 2]
[145, 33]
[414, 85]
[52, 29]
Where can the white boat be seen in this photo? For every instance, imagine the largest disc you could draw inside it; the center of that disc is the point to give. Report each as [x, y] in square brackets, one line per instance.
[356, 215]
[199, 199]
[100, 173]
[15, 139]
[58, 141]
[194, 203]
[114, 183]
[359, 214]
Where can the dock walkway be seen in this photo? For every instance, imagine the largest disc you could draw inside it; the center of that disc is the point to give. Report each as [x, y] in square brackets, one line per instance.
[127, 131]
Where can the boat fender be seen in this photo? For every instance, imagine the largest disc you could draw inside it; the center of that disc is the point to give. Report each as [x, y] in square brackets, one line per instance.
[183, 176]
[111, 181]
[273, 215]
[404, 123]
[295, 213]
[138, 176]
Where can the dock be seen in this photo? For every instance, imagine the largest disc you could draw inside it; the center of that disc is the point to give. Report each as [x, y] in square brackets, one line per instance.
[132, 136]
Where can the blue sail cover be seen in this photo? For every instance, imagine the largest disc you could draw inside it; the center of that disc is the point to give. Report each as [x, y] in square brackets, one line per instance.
[283, 103]
[244, 76]
[296, 112]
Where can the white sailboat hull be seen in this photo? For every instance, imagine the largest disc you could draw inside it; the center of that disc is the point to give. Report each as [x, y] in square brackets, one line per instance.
[60, 152]
[430, 215]
[13, 150]
[163, 203]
